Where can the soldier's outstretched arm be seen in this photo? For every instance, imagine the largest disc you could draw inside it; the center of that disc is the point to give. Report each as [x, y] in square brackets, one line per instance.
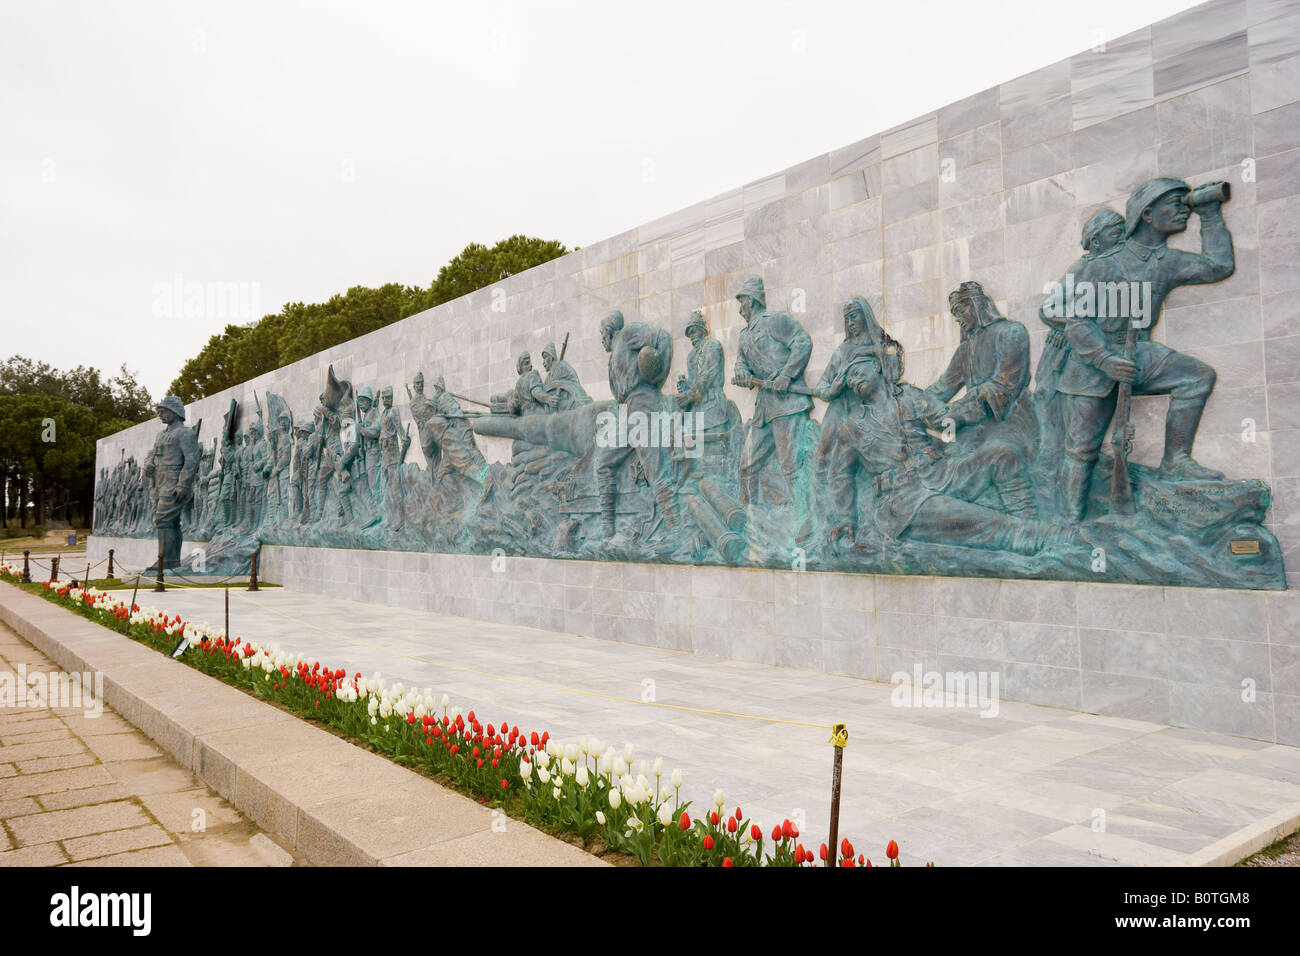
[1216, 260]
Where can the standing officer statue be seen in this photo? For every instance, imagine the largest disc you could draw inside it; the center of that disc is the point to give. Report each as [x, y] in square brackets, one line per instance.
[173, 467]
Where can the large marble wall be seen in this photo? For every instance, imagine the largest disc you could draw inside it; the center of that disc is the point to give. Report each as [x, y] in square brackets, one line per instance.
[993, 188]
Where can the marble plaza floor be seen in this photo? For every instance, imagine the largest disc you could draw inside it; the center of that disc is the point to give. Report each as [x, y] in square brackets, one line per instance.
[1029, 786]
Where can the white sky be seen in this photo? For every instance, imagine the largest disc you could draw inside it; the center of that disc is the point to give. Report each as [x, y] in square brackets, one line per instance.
[303, 148]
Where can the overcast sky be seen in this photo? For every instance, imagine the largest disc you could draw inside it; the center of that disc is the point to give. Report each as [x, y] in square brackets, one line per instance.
[302, 148]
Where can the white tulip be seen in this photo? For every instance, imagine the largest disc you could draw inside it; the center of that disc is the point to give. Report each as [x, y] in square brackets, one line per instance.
[659, 766]
[572, 752]
[643, 768]
[628, 753]
[605, 763]
[614, 799]
[635, 823]
[556, 793]
[620, 767]
[525, 769]
[600, 818]
[677, 779]
[582, 777]
[566, 766]
[445, 701]
[543, 775]
[665, 814]
[719, 798]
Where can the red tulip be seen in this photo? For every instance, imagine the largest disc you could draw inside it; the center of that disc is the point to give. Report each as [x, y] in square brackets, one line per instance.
[825, 852]
[739, 815]
[731, 824]
[505, 784]
[787, 829]
[708, 841]
[755, 833]
[533, 740]
[713, 818]
[891, 851]
[726, 861]
[776, 834]
[846, 848]
[685, 821]
[868, 863]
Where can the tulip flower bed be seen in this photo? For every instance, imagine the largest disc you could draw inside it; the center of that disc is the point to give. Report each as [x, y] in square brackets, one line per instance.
[598, 794]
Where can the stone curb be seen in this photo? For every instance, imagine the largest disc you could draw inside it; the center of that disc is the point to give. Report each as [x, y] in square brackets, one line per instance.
[335, 803]
[1249, 840]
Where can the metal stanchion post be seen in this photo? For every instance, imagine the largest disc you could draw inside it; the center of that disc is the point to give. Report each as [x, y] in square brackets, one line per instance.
[252, 578]
[54, 568]
[840, 739]
[227, 631]
[158, 582]
[110, 562]
[27, 567]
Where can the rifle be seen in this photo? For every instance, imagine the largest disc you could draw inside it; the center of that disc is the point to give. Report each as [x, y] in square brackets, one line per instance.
[473, 401]
[1121, 435]
[361, 442]
[794, 389]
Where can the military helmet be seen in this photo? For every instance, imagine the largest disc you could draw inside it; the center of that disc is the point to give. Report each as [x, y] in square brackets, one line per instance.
[1145, 196]
[173, 405]
[1099, 222]
[753, 287]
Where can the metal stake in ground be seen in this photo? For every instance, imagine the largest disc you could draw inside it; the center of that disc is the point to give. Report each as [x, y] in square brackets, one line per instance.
[158, 581]
[839, 738]
[227, 632]
[54, 569]
[131, 609]
[85, 582]
[110, 563]
[252, 577]
[27, 567]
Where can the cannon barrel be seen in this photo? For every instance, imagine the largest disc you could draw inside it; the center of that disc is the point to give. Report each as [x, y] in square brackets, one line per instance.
[572, 431]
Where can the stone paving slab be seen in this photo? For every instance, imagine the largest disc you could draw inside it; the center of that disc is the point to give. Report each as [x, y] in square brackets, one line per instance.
[94, 815]
[1030, 786]
[332, 802]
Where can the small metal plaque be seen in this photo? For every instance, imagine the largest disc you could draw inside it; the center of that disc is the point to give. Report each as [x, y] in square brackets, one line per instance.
[1248, 546]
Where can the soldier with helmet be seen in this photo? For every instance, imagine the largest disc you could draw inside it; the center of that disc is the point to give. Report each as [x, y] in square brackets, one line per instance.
[172, 467]
[1098, 363]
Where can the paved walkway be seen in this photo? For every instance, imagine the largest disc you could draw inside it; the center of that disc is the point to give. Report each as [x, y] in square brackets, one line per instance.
[1031, 785]
[80, 785]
